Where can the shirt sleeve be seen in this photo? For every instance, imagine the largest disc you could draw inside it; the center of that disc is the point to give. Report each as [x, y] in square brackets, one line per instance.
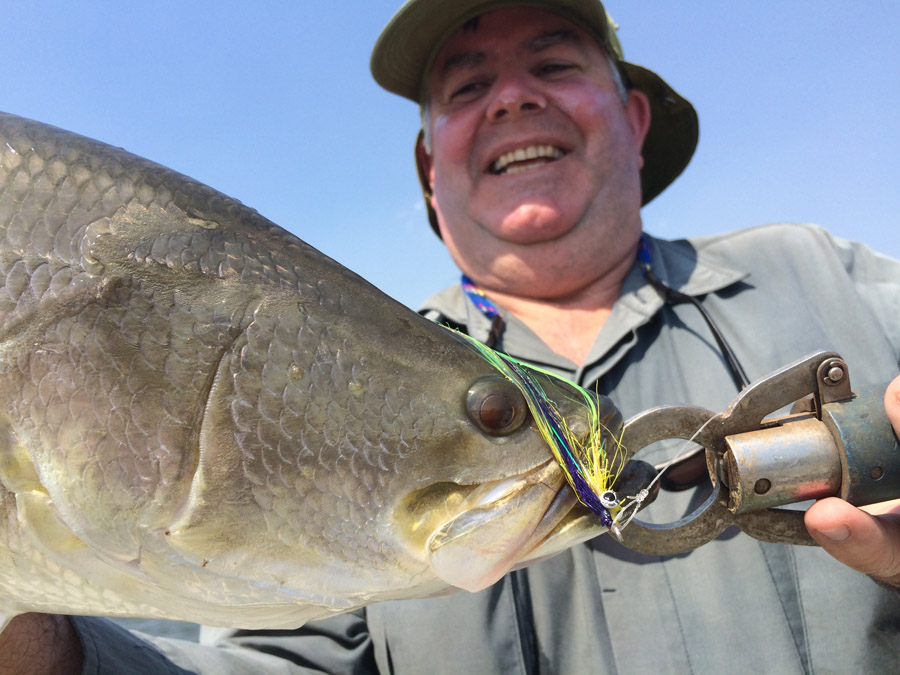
[339, 644]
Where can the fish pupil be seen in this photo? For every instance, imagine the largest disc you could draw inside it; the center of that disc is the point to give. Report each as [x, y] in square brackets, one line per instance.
[497, 412]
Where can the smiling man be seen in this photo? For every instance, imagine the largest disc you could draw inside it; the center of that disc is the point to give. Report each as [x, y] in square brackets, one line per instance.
[540, 144]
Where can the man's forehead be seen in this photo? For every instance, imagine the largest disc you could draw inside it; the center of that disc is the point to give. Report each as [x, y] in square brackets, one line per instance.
[534, 31]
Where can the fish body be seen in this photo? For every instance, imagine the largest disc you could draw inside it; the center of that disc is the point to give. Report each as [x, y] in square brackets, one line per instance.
[204, 418]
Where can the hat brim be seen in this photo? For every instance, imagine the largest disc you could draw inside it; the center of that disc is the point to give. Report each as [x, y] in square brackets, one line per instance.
[673, 134]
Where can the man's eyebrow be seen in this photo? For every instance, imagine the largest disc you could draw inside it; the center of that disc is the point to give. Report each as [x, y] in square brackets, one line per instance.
[462, 61]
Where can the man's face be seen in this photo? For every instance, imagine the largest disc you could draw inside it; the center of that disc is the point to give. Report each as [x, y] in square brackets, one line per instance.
[534, 156]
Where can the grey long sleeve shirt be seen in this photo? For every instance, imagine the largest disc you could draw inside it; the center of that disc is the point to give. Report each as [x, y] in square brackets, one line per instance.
[735, 605]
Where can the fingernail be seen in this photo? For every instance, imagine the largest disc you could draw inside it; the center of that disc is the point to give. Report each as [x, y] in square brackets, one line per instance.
[840, 533]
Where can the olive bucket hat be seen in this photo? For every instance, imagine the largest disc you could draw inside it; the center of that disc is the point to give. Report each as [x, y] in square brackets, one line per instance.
[406, 49]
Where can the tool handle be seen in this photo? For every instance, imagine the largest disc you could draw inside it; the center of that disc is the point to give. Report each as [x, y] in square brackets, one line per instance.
[851, 452]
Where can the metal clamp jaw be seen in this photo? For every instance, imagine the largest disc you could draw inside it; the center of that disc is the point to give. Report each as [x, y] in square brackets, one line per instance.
[834, 442]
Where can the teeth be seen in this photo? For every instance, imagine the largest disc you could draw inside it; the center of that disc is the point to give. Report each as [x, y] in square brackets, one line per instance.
[523, 155]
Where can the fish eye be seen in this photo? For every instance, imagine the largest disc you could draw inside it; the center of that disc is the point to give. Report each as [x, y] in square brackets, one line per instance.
[496, 406]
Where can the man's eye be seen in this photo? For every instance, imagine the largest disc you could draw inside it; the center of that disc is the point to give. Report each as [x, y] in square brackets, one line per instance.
[551, 69]
[467, 91]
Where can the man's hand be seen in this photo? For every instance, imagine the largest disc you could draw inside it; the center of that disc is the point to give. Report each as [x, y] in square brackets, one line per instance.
[40, 643]
[868, 538]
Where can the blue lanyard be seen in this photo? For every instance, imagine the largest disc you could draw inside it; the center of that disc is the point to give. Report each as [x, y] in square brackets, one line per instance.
[488, 308]
[480, 300]
[644, 256]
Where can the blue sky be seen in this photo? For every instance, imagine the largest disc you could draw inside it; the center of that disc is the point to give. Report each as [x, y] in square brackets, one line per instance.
[272, 103]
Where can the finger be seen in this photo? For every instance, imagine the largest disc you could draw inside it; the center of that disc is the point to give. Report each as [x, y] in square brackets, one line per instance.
[867, 543]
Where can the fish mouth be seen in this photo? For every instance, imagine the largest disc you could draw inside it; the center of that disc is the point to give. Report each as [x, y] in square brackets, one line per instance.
[525, 158]
[473, 535]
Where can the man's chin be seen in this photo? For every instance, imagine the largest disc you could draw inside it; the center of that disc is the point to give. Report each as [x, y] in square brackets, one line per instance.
[532, 223]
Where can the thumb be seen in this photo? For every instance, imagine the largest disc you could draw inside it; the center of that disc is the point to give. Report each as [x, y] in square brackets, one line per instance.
[866, 542]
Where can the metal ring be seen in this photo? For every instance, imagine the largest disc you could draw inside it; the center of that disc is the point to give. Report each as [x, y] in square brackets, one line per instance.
[703, 525]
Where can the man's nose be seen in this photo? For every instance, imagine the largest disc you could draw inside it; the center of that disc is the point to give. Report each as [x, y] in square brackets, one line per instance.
[513, 98]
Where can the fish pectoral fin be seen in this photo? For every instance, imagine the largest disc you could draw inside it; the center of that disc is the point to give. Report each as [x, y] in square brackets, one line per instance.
[17, 472]
[89, 582]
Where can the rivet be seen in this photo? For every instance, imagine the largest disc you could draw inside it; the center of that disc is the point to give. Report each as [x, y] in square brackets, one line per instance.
[763, 485]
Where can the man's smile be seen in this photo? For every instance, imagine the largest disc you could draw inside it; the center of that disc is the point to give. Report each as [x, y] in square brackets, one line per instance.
[522, 159]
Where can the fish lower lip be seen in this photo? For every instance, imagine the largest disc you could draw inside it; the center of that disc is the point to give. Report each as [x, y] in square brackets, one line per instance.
[482, 543]
[577, 525]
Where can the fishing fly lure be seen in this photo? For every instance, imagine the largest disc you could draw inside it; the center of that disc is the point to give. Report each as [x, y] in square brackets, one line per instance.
[590, 463]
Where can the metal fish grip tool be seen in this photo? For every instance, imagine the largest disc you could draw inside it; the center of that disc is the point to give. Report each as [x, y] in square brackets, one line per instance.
[834, 442]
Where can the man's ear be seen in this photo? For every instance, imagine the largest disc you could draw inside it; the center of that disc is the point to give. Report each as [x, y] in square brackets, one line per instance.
[424, 166]
[637, 112]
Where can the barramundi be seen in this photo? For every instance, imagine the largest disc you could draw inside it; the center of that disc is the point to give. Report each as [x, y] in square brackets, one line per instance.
[204, 418]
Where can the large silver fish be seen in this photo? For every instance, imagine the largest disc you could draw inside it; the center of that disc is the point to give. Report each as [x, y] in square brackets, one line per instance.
[203, 418]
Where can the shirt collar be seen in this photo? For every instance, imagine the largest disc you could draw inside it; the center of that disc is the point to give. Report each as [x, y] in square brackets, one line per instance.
[684, 267]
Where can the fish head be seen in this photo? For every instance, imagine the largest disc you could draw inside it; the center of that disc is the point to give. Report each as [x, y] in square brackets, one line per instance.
[475, 532]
